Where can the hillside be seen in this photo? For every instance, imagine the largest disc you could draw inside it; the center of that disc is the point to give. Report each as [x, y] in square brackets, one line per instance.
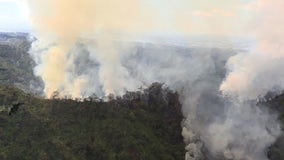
[136, 126]
[141, 125]
[16, 65]
[275, 152]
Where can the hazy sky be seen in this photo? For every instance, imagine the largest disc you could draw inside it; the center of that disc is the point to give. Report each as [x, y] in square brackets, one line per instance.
[191, 16]
[14, 15]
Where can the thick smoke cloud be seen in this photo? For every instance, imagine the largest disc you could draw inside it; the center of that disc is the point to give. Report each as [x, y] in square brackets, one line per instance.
[62, 24]
[84, 48]
[253, 74]
[222, 126]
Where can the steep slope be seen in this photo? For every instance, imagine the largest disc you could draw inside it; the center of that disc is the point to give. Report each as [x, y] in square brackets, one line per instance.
[141, 125]
[275, 152]
[16, 65]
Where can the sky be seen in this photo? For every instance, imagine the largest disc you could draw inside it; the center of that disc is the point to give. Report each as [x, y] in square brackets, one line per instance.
[14, 16]
[185, 16]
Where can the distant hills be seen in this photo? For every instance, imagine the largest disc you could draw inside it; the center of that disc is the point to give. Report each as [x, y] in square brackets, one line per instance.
[139, 125]
[16, 65]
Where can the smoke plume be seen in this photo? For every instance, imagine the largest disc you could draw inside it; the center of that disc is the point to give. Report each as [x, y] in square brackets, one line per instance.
[101, 47]
[254, 74]
[63, 23]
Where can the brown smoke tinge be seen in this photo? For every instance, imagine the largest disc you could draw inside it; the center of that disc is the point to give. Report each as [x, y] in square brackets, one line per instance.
[250, 73]
[69, 19]
[55, 73]
[62, 23]
[82, 53]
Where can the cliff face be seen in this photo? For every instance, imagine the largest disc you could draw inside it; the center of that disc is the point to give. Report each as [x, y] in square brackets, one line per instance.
[140, 125]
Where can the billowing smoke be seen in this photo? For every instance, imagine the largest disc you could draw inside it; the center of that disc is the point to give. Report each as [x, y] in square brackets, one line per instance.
[101, 47]
[61, 25]
[252, 75]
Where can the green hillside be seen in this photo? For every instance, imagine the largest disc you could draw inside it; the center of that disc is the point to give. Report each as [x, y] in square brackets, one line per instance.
[143, 125]
[139, 126]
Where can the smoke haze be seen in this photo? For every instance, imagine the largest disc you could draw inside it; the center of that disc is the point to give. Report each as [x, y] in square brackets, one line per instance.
[250, 74]
[108, 47]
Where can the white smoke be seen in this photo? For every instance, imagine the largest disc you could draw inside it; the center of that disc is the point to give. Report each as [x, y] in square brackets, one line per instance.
[254, 74]
[222, 117]
[226, 127]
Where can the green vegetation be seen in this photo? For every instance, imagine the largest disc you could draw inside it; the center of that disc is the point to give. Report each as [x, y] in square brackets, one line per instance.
[275, 152]
[138, 126]
[142, 125]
